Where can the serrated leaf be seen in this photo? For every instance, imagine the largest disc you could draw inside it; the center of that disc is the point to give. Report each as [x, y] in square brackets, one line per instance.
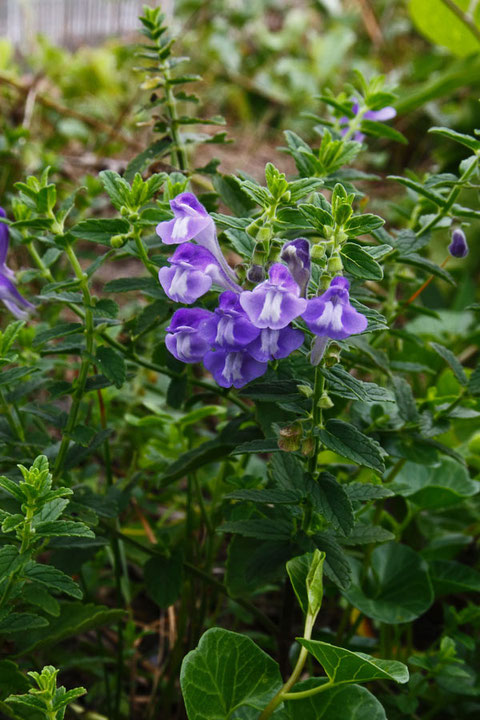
[19, 622]
[405, 400]
[345, 440]
[340, 382]
[451, 360]
[363, 224]
[12, 488]
[60, 330]
[54, 579]
[261, 528]
[366, 491]
[359, 263]
[10, 560]
[363, 534]
[329, 499]
[267, 496]
[100, 230]
[63, 528]
[111, 364]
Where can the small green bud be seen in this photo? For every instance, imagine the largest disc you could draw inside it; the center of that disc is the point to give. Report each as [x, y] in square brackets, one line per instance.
[325, 402]
[306, 390]
[332, 355]
[340, 236]
[124, 211]
[335, 265]
[118, 241]
[329, 232]
[317, 252]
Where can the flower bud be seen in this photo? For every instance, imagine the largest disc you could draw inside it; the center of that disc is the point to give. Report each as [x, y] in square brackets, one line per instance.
[318, 252]
[256, 274]
[296, 254]
[335, 265]
[333, 355]
[458, 248]
[325, 402]
[306, 390]
[118, 241]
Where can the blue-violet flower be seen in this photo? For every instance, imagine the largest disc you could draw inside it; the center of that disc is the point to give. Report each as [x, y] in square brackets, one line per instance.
[275, 302]
[332, 315]
[9, 294]
[229, 327]
[296, 255]
[192, 271]
[458, 247]
[186, 339]
[235, 368]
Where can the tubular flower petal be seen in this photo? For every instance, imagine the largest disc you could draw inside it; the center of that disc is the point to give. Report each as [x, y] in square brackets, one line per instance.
[332, 315]
[191, 221]
[275, 302]
[458, 247]
[235, 368]
[12, 299]
[186, 340]
[296, 255]
[192, 272]
[229, 327]
[275, 344]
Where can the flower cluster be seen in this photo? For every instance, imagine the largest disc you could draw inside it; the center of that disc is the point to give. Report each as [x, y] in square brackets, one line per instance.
[9, 294]
[249, 328]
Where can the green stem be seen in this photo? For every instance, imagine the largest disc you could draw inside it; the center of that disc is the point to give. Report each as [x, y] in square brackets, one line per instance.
[282, 694]
[178, 154]
[16, 426]
[317, 416]
[84, 367]
[144, 255]
[308, 693]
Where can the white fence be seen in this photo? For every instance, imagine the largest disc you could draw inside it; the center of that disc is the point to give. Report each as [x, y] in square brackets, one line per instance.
[71, 22]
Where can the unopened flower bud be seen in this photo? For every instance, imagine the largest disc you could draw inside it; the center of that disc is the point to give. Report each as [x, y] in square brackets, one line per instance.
[335, 265]
[118, 241]
[458, 248]
[296, 254]
[318, 252]
[333, 355]
[325, 402]
[306, 390]
[256, 274]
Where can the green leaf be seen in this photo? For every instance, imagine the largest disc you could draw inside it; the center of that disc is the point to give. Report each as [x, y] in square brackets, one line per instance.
[100, 230]
[329, 498]
[397, 589]
[147, 285]
[261, 528]
[140, 163]
[442, 26]
[39, 596]
[363, 224]
[298, 569]
[451, 360]
[54, 579]
[65, 698]
[59, 330]
[474, 382]
[442, 485]
[13, 488]
[363, 534]
[420, 189]
[346, 702]
[471, 142]
[379, 129]
[63, 528]
[345, 440]
[268, 496]
[359, 491]
[407, 407]
[13, 375]
[265, 445]
[314, 583]
[340, 382]
[111, 364]
[452, 578]
[10, 560]
[75, 618]
[337, 566]
[11, 679]
[359, 263]
[227, 676]
[344, 666]
[19, 622]
[427, 265]
[163, 578]
[117, 188]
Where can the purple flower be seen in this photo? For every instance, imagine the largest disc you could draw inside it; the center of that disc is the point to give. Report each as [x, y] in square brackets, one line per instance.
[235, 368]
[275, 344]
[275, 302]
[332, 315]
[296, 255]
[458, 247]
[229, 327]
[386, 113]
[191, 221]
[186, 339]
[9, 294]
[192, 272]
